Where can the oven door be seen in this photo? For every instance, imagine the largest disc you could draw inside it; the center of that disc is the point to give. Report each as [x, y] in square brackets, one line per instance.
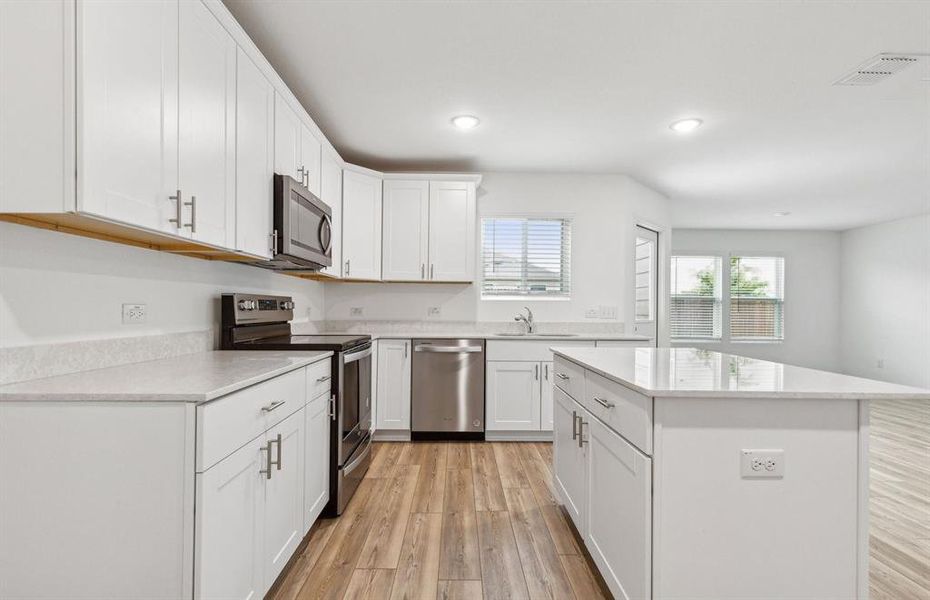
[355, 403]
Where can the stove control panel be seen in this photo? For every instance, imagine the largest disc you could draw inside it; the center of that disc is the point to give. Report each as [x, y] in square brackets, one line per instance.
[239, 309]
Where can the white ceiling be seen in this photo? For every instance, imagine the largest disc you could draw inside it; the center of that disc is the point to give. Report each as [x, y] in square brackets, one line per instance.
[592, 87]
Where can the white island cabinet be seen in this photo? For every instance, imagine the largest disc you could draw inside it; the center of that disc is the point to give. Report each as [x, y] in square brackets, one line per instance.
[192, 477]
[700, 475]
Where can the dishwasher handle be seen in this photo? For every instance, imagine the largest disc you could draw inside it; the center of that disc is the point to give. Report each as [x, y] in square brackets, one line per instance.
[447, 349]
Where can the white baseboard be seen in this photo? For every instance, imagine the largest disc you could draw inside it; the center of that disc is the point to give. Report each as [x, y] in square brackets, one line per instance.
[518, 436]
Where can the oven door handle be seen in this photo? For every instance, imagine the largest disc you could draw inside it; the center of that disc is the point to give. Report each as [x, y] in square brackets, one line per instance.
[354, 356]
[362, 454]
[447, 349]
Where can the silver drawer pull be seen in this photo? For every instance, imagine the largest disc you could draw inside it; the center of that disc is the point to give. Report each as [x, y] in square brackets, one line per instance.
[574, 425]
[267, 470]
[324, 378]
[581, 440]
[276, 462]
[562, 376]
[273, 406]
[604, 402]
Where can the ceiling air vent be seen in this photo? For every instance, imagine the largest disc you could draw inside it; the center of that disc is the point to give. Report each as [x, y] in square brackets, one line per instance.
[878, 69]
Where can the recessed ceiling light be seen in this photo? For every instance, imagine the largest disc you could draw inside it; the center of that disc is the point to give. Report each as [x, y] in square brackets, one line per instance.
[781, 213]
[465, 121]
[685, 125]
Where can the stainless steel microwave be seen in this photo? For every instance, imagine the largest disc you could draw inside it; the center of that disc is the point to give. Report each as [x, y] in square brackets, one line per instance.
[303, 228]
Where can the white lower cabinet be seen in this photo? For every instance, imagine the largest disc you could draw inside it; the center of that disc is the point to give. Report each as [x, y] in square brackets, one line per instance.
[316, 458]
[512, 396]
[393, 381]
[545, 397]
[230, 529]
[284, 494]
[568, 456]
[619, 511]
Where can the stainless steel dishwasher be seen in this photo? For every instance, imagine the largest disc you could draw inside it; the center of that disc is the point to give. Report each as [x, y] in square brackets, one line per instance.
[448, 389]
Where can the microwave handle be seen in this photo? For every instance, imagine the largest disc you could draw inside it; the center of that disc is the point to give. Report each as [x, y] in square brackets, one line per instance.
[328, 224]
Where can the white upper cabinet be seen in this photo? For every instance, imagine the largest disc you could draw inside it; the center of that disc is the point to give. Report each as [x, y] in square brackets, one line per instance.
[128, 112]
[297, 153]
[406, 230]
[451, 231]
[254, 158]
[331, 194]
[206, 125]
[361, 225]
[36, 106]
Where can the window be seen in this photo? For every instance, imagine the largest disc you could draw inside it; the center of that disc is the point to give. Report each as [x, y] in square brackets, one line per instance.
[757, 296]
[525, 257]
[696, 307]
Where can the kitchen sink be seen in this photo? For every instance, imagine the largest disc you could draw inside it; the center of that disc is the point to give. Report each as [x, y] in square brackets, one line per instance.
[554, 335]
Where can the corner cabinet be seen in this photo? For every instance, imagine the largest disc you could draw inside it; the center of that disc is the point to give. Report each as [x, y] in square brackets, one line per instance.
[361, 225]
[429, 230]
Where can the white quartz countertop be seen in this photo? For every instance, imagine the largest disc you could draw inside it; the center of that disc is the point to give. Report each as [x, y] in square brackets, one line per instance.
[199, 377]
[691, 372]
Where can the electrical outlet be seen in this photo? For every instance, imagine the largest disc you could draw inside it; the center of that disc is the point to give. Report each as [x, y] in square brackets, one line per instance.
[433, 311]
[133, 314]
[356, 311]
[880, 363]
[757, 464]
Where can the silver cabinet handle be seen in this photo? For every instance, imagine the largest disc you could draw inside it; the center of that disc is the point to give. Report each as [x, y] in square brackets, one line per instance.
[448, 349]
[581, 440]
[277, 462]
[431, 266]
[273, 406]
[347, 268]
[562, 376]
[423, 271]
[303, 174]
[324, 378]
[574, 425]
[177, 207]
[332, 408]
[604, 402]
[546, 369]
[267, 450]
[274, 242]
[193, 205]
[536, 372]
[405, 350]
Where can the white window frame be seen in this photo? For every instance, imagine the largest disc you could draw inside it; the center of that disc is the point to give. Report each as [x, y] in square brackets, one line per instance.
[570, 217]
[725, 333]
[724, 301]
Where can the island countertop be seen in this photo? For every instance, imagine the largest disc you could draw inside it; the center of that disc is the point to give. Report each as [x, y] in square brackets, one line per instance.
[199, 377]
[692, 372]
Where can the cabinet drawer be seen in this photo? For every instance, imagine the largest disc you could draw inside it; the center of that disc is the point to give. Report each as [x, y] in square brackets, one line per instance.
[530, 349]
[569, 378]
[229, 422]
[627, 412]
[319, 379]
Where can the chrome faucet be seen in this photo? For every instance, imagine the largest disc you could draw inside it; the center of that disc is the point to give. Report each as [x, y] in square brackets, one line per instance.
[527, 320]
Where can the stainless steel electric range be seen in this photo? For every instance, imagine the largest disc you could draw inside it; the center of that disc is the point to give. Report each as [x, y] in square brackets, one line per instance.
[256, 322]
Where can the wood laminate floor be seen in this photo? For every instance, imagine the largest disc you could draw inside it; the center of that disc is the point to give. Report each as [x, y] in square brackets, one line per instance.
[447, 521]
[899, 506]
[473, 521]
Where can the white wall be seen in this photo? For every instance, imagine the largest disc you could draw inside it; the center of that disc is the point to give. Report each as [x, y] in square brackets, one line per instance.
[812, 290]
[886, 301]
[604, 208]
[56, 287]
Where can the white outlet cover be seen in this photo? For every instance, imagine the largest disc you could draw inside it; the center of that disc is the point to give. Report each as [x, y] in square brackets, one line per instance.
[133, 313]
[762, 463]
[433, 311]
[356, 311]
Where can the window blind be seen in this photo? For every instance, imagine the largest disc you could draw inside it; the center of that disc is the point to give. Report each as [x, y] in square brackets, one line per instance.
[757, 295]
[696, 297]
[525, 257]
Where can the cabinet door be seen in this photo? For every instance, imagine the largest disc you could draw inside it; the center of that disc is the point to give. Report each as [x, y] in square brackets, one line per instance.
[254, 158]
[512, 399]
[287, 138]
[229, 526]
[361, 226]
[331, 194]
[393, 384]
[316, 458]
[284, 495]
[207, 125]
[451, 231]
[406, 225]
[128, 112]
[619, 512]
[310, 159]
[569, 458]
[545, 397]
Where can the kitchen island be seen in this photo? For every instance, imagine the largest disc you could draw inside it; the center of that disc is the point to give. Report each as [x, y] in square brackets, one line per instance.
[695, 474]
